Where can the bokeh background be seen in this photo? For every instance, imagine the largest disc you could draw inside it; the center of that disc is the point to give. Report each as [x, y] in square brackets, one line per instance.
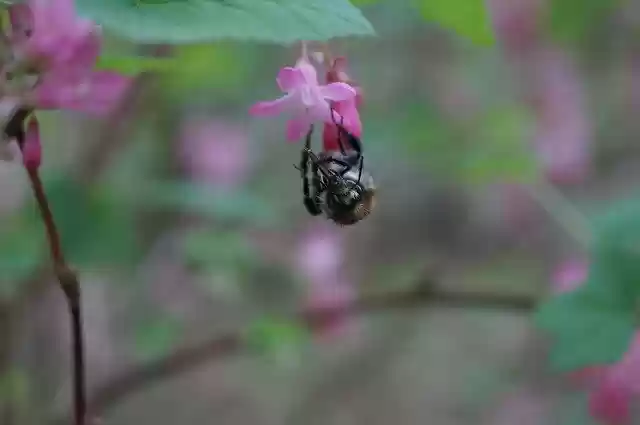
[183, 215]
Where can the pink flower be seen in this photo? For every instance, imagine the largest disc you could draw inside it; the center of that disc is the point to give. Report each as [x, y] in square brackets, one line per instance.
[348, 108]
[305, 99]
[32, 149]
[49, 39]
[214, 151]
[570, 275]
[562, 138]
[612, 386]
[320, 260]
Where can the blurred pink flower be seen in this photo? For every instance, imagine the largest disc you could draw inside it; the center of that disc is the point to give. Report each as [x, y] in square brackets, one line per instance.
[612, 386]
[214, 151]
[50, 40]
[347, 108]
[569, 275]
[305, 99]
[320, 259]
[32, 149]
[562, 137]
[516, 23]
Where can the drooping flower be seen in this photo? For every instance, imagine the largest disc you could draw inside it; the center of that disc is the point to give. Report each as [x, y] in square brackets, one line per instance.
[51, 43]
[348, 108]
[320, 259]
[612, 386]
[306, 101]
[215, 151]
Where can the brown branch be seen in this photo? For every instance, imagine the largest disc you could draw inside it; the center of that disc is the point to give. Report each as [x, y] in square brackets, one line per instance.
[93, 162]
[68, 281]
[222, 346]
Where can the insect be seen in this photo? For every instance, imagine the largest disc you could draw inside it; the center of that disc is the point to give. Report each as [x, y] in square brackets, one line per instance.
[340, 187]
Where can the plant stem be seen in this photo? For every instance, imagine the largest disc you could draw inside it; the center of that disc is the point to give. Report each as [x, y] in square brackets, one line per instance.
[70, 286]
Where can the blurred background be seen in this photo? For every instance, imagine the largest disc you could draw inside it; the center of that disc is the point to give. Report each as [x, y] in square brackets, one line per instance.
[183, 215]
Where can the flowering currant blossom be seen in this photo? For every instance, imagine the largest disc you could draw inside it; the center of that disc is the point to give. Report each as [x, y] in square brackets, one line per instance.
[320, 259]
[305, 100]
[613, 386]
[49, 42]
[348, 108]
[50, 65]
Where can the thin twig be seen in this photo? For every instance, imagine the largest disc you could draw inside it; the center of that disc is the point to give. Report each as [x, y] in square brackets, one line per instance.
[69, 284]
[222, 346]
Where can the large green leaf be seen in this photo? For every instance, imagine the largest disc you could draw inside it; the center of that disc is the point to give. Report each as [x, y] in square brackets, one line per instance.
[586, 330]
[594, 324]
[468, 18]
[188, 21]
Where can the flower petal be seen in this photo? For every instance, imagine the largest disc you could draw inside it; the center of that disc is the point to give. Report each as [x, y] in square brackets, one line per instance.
[290, 78]
[308, 71]
[297, 127]
[32, 149]
[274, 107]
[337, 91]
[610, 404]
[98, 93]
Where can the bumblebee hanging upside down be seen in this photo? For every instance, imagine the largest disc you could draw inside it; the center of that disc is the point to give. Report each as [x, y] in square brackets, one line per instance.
[340, 187]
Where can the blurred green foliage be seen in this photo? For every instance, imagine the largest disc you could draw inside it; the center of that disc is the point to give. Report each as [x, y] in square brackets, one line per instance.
[468, 18]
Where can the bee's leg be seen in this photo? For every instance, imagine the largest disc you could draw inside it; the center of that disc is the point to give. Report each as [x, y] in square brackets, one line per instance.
[310, 203]
[343, 135]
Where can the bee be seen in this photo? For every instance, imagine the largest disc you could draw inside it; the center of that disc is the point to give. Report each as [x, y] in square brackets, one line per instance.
[340, 188]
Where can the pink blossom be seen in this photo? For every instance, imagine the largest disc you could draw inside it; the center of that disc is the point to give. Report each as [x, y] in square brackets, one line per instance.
[32, 149]
[348, 108]
[320, 259]
[612, 386]
[562, 137]
[516, 23]
[305, 99]
[570, 275]
[49, 39]
[214, 151]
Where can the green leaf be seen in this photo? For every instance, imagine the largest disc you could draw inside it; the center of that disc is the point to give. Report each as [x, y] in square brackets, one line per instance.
[468, 18]
[156, 339]
[571, 20]
[132, 65]
[586, 329]
[190, 21]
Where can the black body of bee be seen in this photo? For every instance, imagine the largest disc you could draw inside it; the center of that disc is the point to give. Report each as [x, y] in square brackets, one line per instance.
[342, 189]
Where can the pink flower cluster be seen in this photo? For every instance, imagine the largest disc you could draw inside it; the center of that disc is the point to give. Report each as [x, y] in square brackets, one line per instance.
[214, 151]
[320, 260]
[307, 101]
[613, 386]
[52, 55]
